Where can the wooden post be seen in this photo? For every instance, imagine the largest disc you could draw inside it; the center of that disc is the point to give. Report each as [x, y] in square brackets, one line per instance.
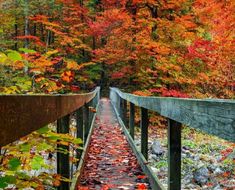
[120, 107]
[86, 121]
[90, 105]
[80, 128]
[144, 132]
[132, 121]
[124, 112]
[63, 159]
[79, 118]
[174, 155]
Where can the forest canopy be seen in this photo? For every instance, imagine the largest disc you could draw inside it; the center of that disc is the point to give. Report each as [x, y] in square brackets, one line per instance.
[179, 48]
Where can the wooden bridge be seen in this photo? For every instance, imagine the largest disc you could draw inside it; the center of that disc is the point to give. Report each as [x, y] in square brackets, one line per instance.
[23, 114]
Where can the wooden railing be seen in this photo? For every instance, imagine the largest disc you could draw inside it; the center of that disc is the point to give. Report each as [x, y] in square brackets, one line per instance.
[23, 114]
[212, 116]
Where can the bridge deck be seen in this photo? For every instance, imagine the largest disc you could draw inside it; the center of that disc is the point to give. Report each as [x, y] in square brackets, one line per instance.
[110, 163]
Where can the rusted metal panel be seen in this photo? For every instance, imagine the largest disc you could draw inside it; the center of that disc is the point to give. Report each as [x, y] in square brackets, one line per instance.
[23, 114]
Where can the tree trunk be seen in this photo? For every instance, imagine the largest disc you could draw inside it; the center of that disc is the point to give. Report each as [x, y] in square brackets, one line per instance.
[26, 14]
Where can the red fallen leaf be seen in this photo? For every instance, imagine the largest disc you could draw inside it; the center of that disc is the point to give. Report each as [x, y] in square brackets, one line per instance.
[82, 188]
[106, 187]
[141, 186]
[226, 174]
[209, 184]
[59, 84]
[74, 88]
[141, 176]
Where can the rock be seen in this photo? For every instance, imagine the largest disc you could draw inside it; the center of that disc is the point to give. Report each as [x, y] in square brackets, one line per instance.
[157, 148]
[232, 155]
[187, 179]
[212, 167]
[218, 158]
[154, 157]
[191, 186]
[155, 170]
[201, 175]
[186, 151]
[218, 171]
[137, 142]
[217, 187]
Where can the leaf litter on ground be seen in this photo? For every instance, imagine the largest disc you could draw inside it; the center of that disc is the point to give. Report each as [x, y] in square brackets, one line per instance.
[110, 163]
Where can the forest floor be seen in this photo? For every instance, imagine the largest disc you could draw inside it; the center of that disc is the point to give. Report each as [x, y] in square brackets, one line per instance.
[110, 163]
[208, 162]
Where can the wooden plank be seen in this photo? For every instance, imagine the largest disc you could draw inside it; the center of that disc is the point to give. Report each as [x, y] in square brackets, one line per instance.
[124, 113]
[80, 128]
[27, 113]
[212, 116]
[154, 181]
[86, 121]
[120, 106]
[144, 122]
[63, 159]
[79, 119]
[132, 121]
[77, 176]
[174, 155]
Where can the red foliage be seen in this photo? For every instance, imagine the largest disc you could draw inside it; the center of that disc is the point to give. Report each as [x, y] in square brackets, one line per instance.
[169, 93]
[203, 49]
[32, 38]
[117, 75]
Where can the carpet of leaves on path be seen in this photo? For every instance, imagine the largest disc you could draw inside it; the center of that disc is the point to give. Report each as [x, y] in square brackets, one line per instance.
[110, 163]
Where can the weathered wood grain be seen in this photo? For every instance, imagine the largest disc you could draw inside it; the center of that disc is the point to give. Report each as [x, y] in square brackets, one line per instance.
[154, 181]
[23, 114]
[63, 159]
[212, 116]
[144, 122]
[174, 155]
[132, 121]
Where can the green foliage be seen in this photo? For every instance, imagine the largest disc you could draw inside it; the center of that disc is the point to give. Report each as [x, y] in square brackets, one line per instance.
[6, 180]
[25, 50]
[190, 144]
[14, 55]
[29, 154]
[25, 147]
[37, 162]
[14, 164]
[43, 130]
[162, 163]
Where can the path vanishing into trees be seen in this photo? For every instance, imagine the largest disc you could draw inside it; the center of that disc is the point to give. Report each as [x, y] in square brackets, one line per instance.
[110, 163]
[105, 129]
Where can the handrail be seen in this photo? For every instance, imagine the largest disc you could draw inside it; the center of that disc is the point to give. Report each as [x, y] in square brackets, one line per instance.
[212, 116]
[23, 114]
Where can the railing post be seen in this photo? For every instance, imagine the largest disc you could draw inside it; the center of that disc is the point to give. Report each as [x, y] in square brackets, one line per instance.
[90, 105]
[63, 159]
[144, 132]
[86, 122]
[80, 127]
[132, 120]
[124, 112]
[174, 155]
[120, 106]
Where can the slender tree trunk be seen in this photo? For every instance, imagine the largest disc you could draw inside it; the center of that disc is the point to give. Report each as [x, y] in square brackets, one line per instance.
[42, 32]
[16, 26]
[16, 34]
[26, 30]
[26, 14]
[48, 39]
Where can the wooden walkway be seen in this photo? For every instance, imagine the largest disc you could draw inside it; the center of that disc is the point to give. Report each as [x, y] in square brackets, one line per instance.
[110, 163]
